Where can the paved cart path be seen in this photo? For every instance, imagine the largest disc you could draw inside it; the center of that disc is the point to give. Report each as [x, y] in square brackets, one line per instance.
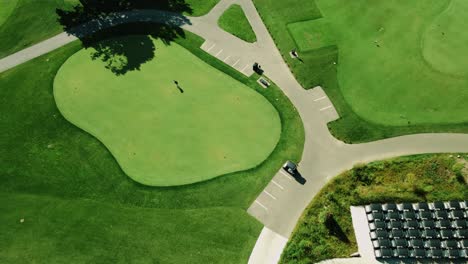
[280, 205]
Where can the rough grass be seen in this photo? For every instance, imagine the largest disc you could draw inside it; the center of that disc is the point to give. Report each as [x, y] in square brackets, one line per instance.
[31, 22]
[42, 154]
[319, 69]
[6, 8]
[167, 134]
[57, 230]
[201, 7]
[234, 21]
[405, 179]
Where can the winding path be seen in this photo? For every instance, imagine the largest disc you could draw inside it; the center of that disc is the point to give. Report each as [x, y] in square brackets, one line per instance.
[323, 157]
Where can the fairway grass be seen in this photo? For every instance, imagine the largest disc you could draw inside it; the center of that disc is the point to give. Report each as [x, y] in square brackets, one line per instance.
[445, 40]
[234, 21]
[161, 134]
[386, 88]
[311, 34]
[381, 72]
[81, 231]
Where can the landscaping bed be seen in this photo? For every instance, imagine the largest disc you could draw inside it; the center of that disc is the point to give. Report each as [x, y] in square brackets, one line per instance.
[325, 229]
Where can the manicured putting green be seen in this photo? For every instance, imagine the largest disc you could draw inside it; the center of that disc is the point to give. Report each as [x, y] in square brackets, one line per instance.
[311, 34]
[159, 135]
[445, 41]
[381, 72]
[6, 8]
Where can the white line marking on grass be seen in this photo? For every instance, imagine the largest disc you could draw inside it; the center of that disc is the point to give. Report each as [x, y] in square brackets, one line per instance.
[269, 194]
[227, 58]
[211, 47]
[219, 52]
[318, 99]
[275, 183]
[264, 207]
[244, 68]
[325, 108]
[286, 175]
[235, 63]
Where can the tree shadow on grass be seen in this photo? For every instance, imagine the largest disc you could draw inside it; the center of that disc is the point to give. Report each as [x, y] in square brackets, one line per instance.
[335, 229]
[100, 25]
[122, 53]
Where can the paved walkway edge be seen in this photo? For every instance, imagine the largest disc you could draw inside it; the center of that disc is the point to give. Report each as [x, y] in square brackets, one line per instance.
[361, 229]
[268, 248]
[349, 261]
[35, 51]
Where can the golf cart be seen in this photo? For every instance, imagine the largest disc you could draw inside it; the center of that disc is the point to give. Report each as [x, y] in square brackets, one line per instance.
[257, 68]
[290, 168]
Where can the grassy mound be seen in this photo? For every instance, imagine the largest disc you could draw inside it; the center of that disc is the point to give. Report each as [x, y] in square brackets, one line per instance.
[444, 42]
[163, 133]
[234, 21]
[42, 154]
[406, 179]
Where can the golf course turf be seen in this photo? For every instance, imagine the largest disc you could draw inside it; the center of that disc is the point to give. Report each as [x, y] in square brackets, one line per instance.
[175, 121]
[38, 229]
[393, 85]
[444, 42]
[234, 21]
[50, 168]
[311, 34]
[6, 8]
[380, 69]
[201, 7]
[37, 21]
